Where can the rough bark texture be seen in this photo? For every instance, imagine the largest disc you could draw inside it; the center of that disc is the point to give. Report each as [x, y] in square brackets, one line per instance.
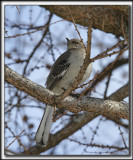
[100, 106]
[105, 18]
[78, 122]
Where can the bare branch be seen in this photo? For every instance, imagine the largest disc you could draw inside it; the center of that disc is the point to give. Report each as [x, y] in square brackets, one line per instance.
[105, 72]
[77, 123]
[38, 44]
[104, 54]
[121, 93]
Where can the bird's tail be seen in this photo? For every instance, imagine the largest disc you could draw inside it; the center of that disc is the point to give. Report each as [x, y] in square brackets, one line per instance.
[43, 131]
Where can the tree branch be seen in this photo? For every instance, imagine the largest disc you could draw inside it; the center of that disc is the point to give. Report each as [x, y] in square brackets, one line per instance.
[121, 93]
[105, 18]
[43, 94]
[72, 127]
[100, 106]
[38, 44]
[103, 74]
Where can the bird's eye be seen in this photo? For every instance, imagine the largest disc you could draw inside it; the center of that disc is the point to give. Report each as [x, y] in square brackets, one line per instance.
[75, 42]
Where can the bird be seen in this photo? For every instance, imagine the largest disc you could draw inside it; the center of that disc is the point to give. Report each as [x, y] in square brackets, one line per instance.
[61, 76]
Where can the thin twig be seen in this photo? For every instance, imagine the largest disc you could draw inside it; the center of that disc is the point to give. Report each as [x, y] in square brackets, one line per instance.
[107, 85]
[89, 83]
[15, 139]
[76, 27]
[122, 29]
[108, 68]
[104, 74]
[104, 54]
[121, 133]
[96, 129]
[18, 9]
[36, 47]
[98, 145]
[37, 29]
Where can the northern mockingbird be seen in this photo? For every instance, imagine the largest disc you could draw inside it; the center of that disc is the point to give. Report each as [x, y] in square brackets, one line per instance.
[62, 75]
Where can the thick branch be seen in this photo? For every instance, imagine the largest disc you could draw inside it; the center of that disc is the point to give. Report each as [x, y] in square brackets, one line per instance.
[71, 128]
[105, 18]
[100, 106]
[120, 94]
[78, 122]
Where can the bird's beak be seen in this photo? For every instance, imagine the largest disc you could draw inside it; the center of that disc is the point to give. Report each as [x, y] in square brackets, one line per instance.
[67, 39]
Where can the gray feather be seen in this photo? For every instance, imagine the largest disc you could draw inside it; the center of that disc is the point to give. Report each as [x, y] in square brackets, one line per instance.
[58, 70]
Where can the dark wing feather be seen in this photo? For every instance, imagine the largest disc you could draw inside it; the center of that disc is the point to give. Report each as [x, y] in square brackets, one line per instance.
[58, 70]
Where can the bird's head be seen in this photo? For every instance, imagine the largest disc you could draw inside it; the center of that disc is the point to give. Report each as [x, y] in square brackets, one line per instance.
[74, 43]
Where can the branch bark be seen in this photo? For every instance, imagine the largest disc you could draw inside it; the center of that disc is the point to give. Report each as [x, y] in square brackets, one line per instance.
[100, 106]
[120, 94]
[105, 18]
[44, 95]
[72, 127]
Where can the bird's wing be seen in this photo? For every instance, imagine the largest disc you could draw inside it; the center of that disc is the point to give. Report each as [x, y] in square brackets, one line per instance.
[58, 70]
